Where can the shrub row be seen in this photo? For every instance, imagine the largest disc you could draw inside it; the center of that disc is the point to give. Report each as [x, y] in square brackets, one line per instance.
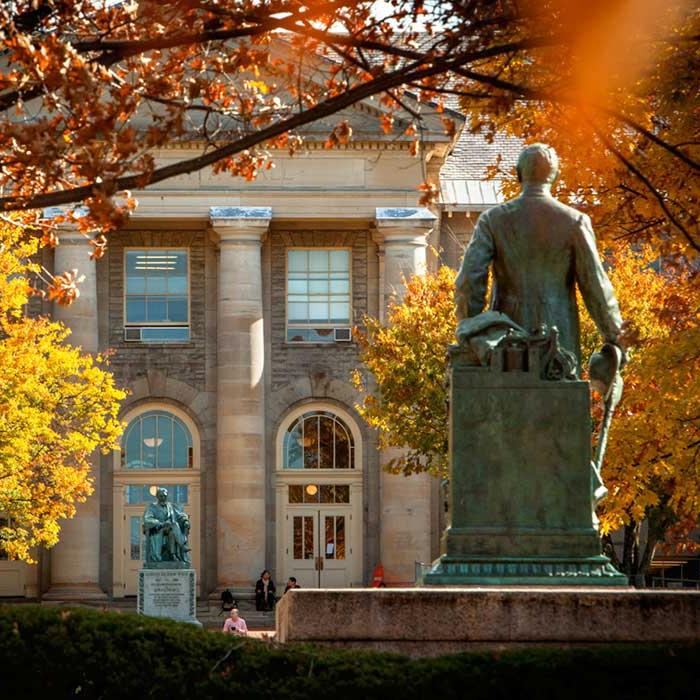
[81, 653]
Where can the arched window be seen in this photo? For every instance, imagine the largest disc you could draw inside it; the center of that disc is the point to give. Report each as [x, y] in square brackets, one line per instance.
[156, 440]
[318, 440]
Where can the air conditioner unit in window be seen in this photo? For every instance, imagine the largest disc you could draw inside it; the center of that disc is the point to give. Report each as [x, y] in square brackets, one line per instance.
[342, 335]
[157, 334]
[132, 334]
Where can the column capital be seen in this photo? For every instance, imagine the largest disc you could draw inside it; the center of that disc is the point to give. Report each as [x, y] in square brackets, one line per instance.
[240, 225]
[403, 226]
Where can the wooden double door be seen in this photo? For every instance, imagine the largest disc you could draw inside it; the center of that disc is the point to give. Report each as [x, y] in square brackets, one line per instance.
[320, 547]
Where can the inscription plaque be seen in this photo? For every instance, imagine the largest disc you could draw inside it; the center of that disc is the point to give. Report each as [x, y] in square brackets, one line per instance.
[170, 593]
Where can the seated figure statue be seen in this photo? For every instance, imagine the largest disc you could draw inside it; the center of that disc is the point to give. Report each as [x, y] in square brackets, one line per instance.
[166, 527]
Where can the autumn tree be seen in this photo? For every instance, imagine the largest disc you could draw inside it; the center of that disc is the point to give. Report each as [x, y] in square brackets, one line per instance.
[652, 465]
[89, 91]
[405, 395]
[57, 405]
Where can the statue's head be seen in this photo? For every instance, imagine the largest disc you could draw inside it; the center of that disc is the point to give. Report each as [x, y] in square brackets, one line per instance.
[162, 495]
[538, 163]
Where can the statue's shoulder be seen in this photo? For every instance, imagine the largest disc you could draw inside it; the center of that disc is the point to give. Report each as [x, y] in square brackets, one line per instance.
[567, 211]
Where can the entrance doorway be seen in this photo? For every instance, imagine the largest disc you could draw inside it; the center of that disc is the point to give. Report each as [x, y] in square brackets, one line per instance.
[160, 448]
[319, 499]
[135, 499]
[319, 550]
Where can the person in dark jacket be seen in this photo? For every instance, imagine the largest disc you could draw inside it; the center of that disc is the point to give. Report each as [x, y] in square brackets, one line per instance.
[265, 592]
[291, 583]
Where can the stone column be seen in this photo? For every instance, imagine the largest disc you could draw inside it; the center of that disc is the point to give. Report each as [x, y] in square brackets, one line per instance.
[240, 471]
[75, 560]
[405, 502]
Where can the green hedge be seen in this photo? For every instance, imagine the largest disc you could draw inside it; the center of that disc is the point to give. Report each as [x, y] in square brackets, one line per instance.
[79, 653]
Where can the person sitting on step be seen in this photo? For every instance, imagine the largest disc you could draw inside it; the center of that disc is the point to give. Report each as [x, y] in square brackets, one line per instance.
[265, 592]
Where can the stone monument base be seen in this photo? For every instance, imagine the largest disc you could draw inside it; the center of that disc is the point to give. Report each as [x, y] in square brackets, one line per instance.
[168, 592]
[531, 571]
[434, 621]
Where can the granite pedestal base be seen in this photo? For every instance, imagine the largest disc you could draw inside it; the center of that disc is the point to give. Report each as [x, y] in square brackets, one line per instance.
[434, 621]
[521, 493]
[168, 592]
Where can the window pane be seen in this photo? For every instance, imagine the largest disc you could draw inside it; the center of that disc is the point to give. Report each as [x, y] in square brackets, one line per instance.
[181, 456]
[135, 283]
[318, 312]
[342, 493]
[340, 537]
[157, 280]
[342, 447]
[293, 450]
[340, 260]
[318, 286]
[297, 335]
[138, 494]
[327, 493]
[309, 549]
[135, 539]
[156, 309]
[165, 335]
[177, 309]
[297, 260]
[297, 311]
[318, 260]
[296, 493]
[297, 286]
[148, 441]
[132, 446]
[298, 537]
[311, 443]
[326, 442]
[340, 313]
[340, 286]
[178, 262]
[164, 442]
[330, 537]
[135, 309]
[311, 493]
[177, 284]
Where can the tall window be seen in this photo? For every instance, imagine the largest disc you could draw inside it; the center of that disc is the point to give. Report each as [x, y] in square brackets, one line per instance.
[318, 294]
[156, 440]
[156, 304]
[318, 440]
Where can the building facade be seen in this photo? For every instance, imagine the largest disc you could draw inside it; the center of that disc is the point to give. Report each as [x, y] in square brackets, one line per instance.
[228, 308]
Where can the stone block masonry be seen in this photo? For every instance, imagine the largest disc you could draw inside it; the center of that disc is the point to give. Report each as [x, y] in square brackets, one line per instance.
[430, 622]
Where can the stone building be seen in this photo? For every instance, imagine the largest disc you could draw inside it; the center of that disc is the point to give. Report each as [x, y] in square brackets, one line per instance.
[229, 308]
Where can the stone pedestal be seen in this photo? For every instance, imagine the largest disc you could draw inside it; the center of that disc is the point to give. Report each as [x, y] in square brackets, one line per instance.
[520, 482]
[429, 622]
[168, 592]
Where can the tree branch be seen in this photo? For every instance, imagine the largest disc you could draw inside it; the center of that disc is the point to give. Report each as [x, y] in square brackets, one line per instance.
[335, 104]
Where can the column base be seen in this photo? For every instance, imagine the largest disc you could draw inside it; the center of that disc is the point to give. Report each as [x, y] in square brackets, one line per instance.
[528, 571]
[74, 592]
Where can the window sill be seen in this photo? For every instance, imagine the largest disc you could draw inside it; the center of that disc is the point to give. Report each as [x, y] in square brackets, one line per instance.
[155, 344]
[314, 344]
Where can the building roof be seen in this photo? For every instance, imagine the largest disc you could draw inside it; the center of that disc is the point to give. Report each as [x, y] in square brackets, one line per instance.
[463, 177]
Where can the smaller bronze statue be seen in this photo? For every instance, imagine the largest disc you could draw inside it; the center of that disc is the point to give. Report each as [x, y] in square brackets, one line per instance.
[166, 527]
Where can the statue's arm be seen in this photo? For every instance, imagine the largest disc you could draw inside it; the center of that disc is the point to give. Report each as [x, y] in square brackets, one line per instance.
[150, 521]
[472, 280]
[596, 290]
